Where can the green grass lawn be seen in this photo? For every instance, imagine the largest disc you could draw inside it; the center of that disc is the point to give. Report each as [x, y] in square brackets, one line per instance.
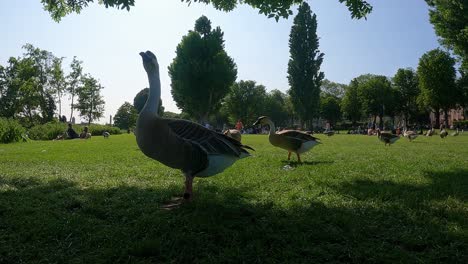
[353, 200]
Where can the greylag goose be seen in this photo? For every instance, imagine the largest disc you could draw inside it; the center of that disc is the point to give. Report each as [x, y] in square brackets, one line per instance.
[387, 138]
[181, 144]
[290, 140]
[411, 135]
[443, 133]
[233, 133]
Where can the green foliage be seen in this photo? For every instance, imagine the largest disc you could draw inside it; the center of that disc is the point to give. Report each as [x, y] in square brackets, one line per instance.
[270, 8]
[450, 20]
[376, 95]
[304, 73]
[97, 130]
[352, 201]
[90, 102]
[245, 101]
[57, 81]
[126, 116]
[351, 105]
[10, 131]
[47, 131]
[405, 83]
[201, 72]
[436, 72]
[330, 108]
[276, 108]
[140, 99]
[332, 88]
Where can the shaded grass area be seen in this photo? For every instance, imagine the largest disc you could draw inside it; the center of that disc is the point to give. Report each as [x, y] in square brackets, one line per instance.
[353, 201]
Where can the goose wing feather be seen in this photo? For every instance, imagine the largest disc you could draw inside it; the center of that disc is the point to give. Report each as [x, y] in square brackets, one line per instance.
[210, 141]
[297, 135]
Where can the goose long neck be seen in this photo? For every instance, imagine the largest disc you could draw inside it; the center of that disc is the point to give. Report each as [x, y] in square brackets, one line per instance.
[152, 104]
[272, 127]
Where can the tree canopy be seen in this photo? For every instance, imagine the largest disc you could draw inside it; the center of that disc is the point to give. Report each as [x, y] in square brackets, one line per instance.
[90, 102]
[271, 8]
[202, 72]
[437, 75]
[405, 83]
[126, 116]
[245, 101]
[450, 20]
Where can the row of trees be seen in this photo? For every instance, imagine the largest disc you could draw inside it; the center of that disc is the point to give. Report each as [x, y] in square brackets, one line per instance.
[33, 85]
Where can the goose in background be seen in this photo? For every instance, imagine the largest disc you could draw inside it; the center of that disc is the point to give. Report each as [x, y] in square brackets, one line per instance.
[443, 133]
[387, 138]
[233, 133]
[181, 144]
[290, 140]
[411, 135]
[454, 134]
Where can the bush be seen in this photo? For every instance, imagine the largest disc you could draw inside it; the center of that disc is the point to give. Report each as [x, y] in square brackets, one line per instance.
[51, 130]
[47, 131]
[461, 123]
[10, 131]
[97, 130]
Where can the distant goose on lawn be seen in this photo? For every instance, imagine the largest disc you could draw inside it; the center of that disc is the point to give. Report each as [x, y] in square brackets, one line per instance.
[329, 133]
[454, 134]
[387, 138]
[411, 135]
[181, 144]
[443, 133]
[290, 140]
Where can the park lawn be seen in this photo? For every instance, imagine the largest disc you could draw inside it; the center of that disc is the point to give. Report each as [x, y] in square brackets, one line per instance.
[353, 200]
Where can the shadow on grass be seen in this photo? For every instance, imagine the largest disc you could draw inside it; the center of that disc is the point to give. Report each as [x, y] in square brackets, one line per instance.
[59, 222]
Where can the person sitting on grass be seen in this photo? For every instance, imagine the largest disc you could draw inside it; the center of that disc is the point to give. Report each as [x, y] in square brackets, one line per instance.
[71, 133]
[85, 134]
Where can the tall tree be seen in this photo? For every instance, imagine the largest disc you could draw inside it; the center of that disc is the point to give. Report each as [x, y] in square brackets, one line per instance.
[57, 81]
[436, 71]
[330, 108]
[43, 61]
[377, 97]
[90, 102]
[201, 72]
[405, 82]
[126, 116]
[245, 101]
[140, 100]
[276, 107]
[351, 104]
[304, 73]
[74, 82]
[450, 20]
[271, 8]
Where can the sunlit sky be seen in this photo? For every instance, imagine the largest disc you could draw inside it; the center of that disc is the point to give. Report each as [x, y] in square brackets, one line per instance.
[108, 41]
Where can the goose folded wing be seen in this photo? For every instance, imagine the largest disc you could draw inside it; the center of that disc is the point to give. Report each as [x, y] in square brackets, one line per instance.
[210, 141]
[298, 135]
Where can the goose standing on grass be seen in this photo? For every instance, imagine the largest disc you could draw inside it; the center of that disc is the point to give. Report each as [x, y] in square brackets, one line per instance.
[454, 134]
[411, 135]
[443, 133]
[387, 138]
[181, 144]
[290, 140]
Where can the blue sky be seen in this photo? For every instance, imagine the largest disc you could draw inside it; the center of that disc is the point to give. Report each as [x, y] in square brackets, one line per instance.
[108, 41]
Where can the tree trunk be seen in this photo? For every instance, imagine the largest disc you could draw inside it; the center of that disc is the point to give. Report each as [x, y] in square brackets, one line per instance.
[71, 114]
[437, 118]
[375, 120]
[446, 118]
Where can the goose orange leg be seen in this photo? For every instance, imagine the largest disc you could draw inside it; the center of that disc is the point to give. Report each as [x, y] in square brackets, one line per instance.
[289, 155]
[298, 158]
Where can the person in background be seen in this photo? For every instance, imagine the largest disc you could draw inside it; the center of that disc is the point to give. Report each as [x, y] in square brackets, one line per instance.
[239, 126]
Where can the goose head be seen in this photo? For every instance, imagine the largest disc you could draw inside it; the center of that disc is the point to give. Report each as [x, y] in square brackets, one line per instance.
[263, 120]
[150, 63]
